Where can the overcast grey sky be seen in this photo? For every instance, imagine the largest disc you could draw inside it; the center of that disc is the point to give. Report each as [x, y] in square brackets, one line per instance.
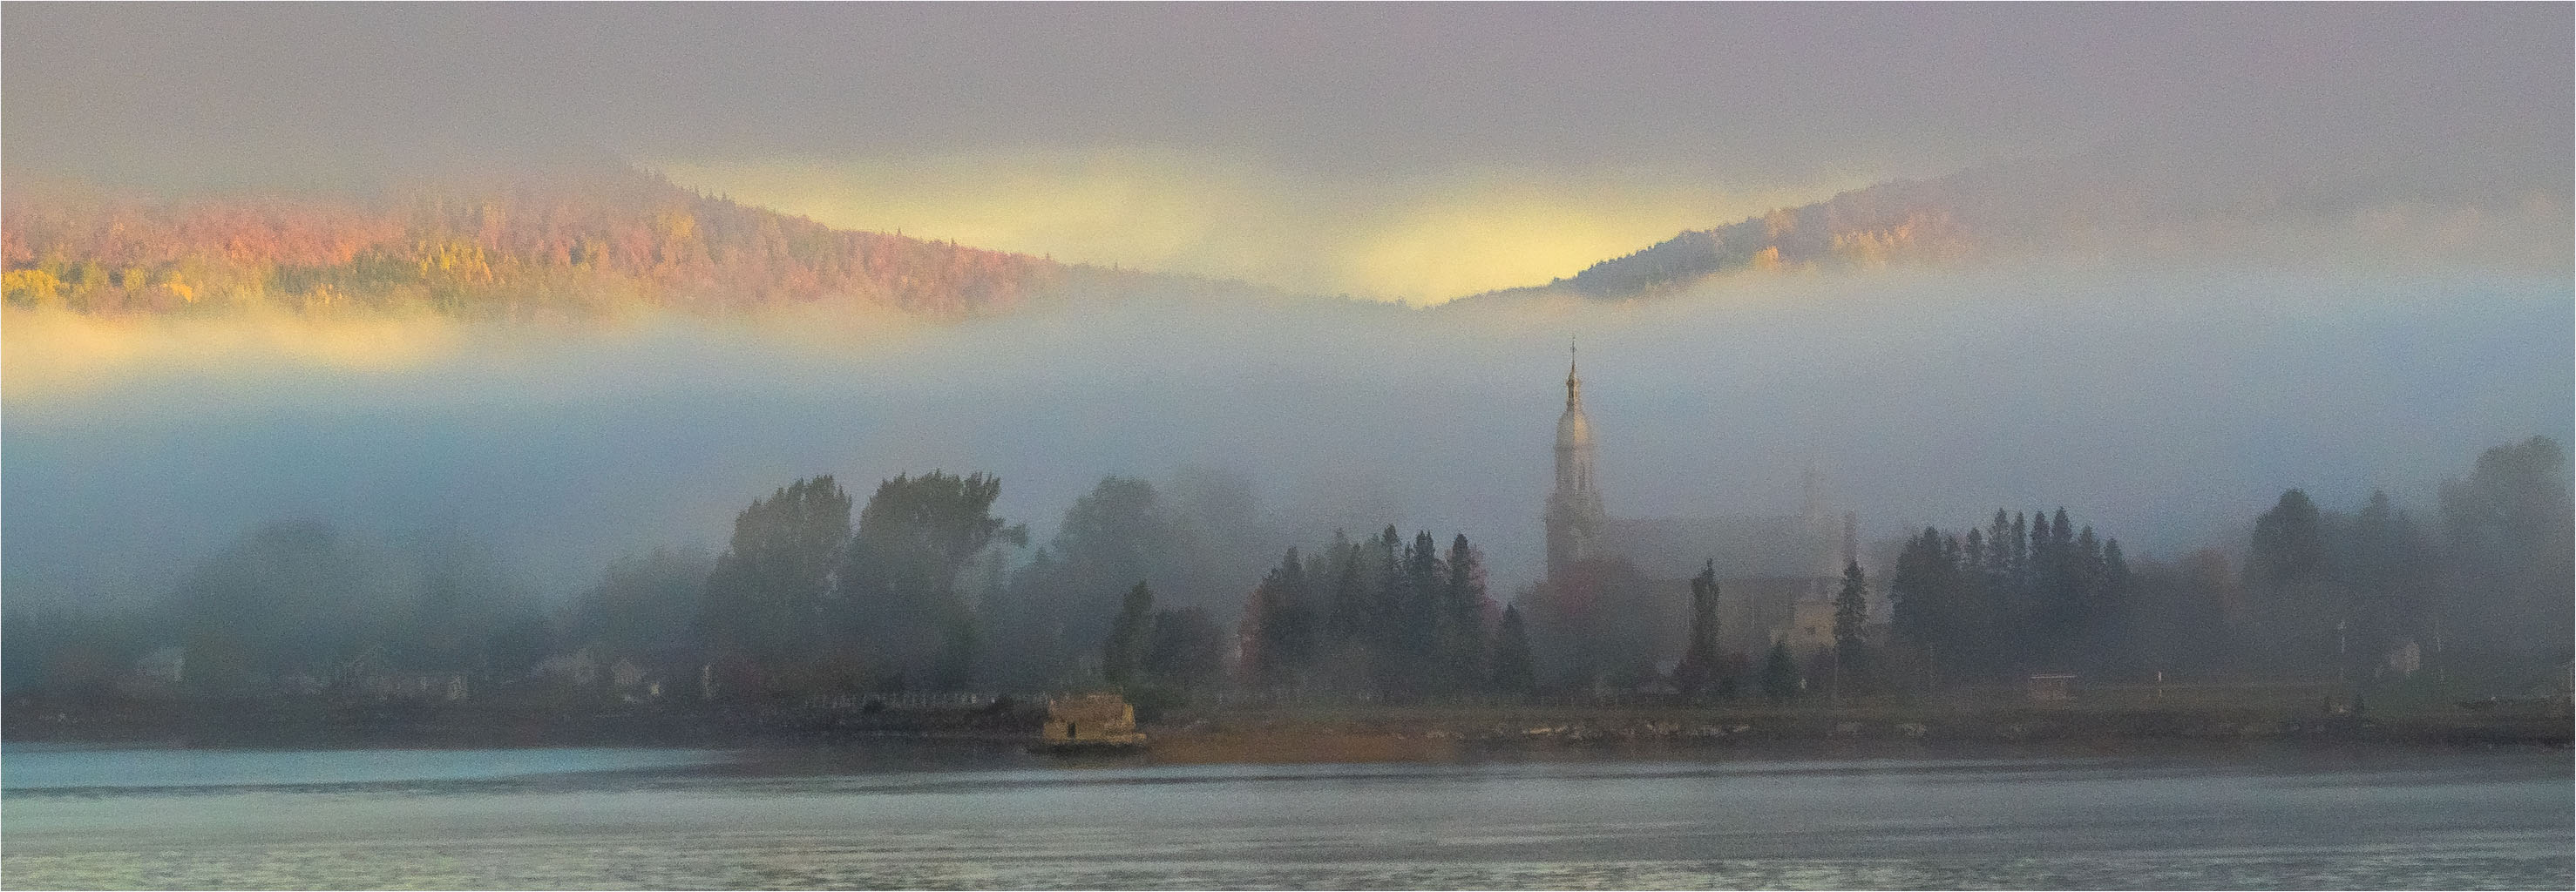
[1780, 91]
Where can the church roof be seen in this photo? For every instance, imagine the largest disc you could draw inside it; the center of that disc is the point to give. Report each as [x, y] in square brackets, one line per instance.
[1675, 547]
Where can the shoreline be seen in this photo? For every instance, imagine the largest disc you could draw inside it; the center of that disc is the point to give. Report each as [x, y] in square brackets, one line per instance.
[1350, 733]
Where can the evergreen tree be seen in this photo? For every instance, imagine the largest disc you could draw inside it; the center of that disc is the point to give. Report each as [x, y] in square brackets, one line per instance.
[1351, 640]
[1122, 656]
[1029, 636]
[1922, 590]
[1698, 671]
[2087, 558]
[2289, 540]
[1281, 625]
[1185, 650]
[1983, 585]
[2391, 572]
[2115, 630]
[1513, 673]
[1851, 608]
[2286, 568]
[2042, 557]
[1998, 553]
[2020, 558]
[1386, 601]
[1974, 581]
[1415, 646]
[1780, 673]
[2065, 573]
[2050, 594]
[1348, 620]
[1109, 539]
[1462, 617]
[2030, 632]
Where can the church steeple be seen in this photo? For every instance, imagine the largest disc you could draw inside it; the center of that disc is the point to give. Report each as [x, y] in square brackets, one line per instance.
[1575, 519]
[1573, 384]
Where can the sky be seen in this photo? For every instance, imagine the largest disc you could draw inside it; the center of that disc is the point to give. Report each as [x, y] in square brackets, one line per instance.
[1404, 152]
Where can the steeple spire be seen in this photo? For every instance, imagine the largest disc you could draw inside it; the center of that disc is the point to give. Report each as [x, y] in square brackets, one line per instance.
[1573, 384]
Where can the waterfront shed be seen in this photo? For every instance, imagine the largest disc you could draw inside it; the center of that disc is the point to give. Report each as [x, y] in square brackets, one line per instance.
[1090, 718]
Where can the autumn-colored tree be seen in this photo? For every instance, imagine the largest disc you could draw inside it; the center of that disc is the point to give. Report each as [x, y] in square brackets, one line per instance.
[572, 241]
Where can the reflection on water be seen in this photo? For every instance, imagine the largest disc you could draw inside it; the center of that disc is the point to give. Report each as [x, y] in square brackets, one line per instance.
[893, 818]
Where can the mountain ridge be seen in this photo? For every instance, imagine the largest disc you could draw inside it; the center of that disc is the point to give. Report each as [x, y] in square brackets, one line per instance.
[2109, 201]
[576, 243]
[604, 238]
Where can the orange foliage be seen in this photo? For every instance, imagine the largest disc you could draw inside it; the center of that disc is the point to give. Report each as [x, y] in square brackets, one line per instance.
[574, 243]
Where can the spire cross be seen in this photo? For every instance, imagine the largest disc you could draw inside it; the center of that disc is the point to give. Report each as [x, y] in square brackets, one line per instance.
[1573, 385]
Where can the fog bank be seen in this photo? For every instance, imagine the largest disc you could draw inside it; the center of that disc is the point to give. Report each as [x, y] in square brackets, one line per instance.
[2168, 407]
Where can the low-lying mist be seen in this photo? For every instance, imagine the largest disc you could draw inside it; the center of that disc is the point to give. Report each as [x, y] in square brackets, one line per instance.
[2168, 406]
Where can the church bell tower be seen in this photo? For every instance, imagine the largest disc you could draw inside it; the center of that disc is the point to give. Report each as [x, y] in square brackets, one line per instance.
[1575, 519]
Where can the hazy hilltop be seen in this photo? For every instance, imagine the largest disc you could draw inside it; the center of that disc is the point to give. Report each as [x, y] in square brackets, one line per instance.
[2354, 202]
[560, 239]
[563, 242]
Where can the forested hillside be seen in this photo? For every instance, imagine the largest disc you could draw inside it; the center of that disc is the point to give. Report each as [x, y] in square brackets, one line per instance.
[565, 244]
[2188, 204]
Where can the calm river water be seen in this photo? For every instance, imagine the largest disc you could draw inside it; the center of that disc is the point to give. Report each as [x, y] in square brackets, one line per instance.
[569, 818]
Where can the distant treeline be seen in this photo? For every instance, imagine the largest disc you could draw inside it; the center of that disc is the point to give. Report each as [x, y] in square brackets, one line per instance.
[1384, 617]
[920, 587]
[2019, 595]
[580, 242]
[2321, 595]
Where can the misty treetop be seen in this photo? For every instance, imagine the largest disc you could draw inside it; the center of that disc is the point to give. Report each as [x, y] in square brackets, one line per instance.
[1382, 617]
[800, 598]
[643, 604]
[915, 539]
[2028, 591]
[1153, 590]
[2356, 596]
[771, 587]
[2346, 589]
[2508, 538]
[923, 592]
[1703, 664]
[295, 605]
[1198, 541]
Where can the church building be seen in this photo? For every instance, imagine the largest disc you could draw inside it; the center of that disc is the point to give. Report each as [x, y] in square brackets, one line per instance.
[1777, 575]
